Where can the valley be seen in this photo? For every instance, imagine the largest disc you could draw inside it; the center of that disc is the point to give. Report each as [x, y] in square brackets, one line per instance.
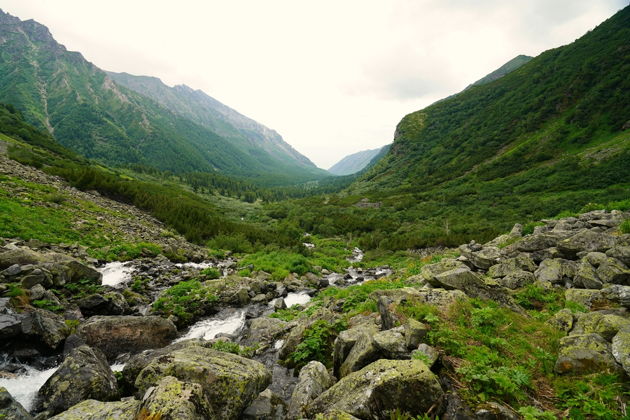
[163, 256]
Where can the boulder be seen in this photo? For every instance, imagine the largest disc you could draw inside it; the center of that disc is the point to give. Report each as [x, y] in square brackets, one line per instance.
[114, 335]
[10, 321]
[44, 327]
[19, 256]
[614, 271]
[429, 271]
[621, 253]
[385, 385]
[172, 399]
[391, 344]
[346, 340]
[98, 410]
[521, 262]
[621, 349]
[313, 381]
[585, 297]
[297, 333]
[601, 322]
[362, 354]
[10, 408]
[484, 258]
[618, 294]
[495, 411]
[84, 374]
[429, 354]
[517, 279]
[586, 241]
[230, 382]
[586, 277]
[268, 406]
[112, 303]
[265, 330]
[562, 320]
[415, 331]
[584, 353]
[555, 271]
[537, 242]
[37, 277]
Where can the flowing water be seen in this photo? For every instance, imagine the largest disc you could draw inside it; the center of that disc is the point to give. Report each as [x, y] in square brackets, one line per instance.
[229, 321]
[115, 273]
[24, 387]
[297, 298]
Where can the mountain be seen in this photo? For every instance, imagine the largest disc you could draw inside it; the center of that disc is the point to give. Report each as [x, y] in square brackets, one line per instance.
[549, 137]
[204, 110]
[87, 111]
[355, 162]
[507, 68]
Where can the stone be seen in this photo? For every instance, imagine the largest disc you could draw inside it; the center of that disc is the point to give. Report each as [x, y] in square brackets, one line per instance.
[267, 406]
[405, 385]
[45, 327]
[584, 353]
[10, 408]
[230, 382]
[415, 331]
[614, 271]
[13, 270]
[555, 271]
[114, 335]
[586, 277]
[505, 267]
[346, 340]
[586, 240]
[172, 399]
[430, 354]
[362, 354]
[618, 294]
[585, 297]
[84, 374]
[562, 320]
[391, 344]
[429, 271]
[37, 292]
[537, 242]
[19, 256]
[621, 349]
[484, 258]
[495, 411]
[98, 410]
[600, 322]
[314, 379]
[112, 303]
[621, 253]
[265, 330]
[517, 279]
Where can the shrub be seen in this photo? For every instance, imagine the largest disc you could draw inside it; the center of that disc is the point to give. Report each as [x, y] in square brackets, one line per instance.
[186, 300]
[211, 273]
[317, 343]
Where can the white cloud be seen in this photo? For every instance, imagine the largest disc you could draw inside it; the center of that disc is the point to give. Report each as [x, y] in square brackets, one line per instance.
[333, 77]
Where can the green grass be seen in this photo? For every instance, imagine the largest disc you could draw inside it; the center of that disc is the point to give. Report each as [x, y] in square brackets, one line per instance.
[356, 298]
[186, 300]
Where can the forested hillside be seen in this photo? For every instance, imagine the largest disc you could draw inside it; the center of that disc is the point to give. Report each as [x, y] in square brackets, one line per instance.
[551, 136]
[89, 113]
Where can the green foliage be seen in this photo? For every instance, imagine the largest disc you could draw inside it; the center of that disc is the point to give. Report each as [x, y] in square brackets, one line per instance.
[139, 284]
[211, 273]
[575, 307]
[47, 304]
[186, 300]
[234, 348]
[317, 343]
[72, 325]
[528, 228]
[597, 396]
[356, 298]
[82, 288]
[127, 251]
[539, 298]
[625, 226]
[287, 315]
[532, 413]
[278, 263]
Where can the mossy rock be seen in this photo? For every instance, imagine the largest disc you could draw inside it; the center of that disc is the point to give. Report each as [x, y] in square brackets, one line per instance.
[385, 385]
[584, 353]
[605, 324]
[173, 399]
[10, 408]
[98, 410]
[230, 382]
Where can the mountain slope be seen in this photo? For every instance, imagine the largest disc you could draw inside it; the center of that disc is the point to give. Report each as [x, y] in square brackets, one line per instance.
[355, 162]
[549, 137]
[507, 68]
[88, 112]
[204, 110]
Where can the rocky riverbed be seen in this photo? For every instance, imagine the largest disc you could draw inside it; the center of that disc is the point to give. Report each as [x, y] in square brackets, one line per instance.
[237, 352]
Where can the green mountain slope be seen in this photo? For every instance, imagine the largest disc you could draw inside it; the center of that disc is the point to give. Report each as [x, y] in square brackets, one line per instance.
[88, 112]
[507, 68]
[355, 162]
[204, 110]
[551, 136]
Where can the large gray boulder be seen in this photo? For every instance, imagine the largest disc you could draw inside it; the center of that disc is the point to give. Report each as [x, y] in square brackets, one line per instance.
[362, 354]
[556, 271]
[265, 330]
[230, 382]
[621, 253]
[603, 323]
[114, 335]
[483, 258]
[346, 340]
[172, 399]
[586, 277]
[581, 354]
[10, 408]
[44, 327]
[621, 349]
[267, 406]
[99, 410]
[520, 262]
[586, 241]
[84, 374]
[313, 381]
[385, 385]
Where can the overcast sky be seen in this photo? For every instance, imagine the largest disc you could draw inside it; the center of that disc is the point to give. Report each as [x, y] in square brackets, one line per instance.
[333, 77]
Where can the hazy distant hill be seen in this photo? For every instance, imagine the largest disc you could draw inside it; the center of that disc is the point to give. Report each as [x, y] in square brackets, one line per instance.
[355, 162]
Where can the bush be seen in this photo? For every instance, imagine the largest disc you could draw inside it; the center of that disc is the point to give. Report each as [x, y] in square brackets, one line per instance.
[211, 273]
[186, 300]
[317, 343]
